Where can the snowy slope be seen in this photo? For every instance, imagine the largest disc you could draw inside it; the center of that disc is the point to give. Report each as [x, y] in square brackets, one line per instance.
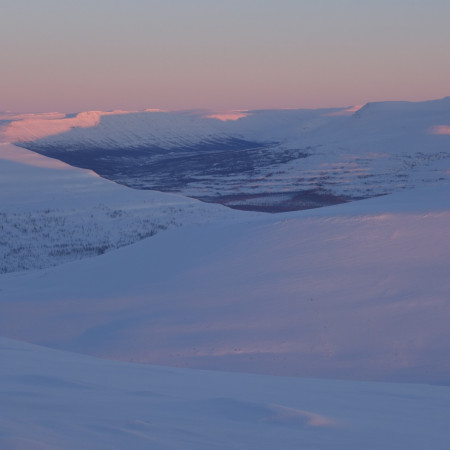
[358, 291]
[355, 291]
[51, 212]
[266, 160]
[55, 400]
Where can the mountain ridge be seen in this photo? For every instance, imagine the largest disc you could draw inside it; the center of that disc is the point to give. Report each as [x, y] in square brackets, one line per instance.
[269, 160]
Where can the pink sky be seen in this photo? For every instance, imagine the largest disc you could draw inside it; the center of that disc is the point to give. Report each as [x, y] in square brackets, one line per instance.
[59, 56]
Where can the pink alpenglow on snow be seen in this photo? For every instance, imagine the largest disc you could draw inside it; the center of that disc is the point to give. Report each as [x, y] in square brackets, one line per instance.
[226, 116]
[440, 129]
[38, 126]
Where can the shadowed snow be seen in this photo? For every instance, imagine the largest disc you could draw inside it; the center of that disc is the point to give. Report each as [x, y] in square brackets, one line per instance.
[58, 400]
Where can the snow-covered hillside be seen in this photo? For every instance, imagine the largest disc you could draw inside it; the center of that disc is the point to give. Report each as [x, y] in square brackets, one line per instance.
[355, 291]
[56, 400]
[266, 160]
[52, 213]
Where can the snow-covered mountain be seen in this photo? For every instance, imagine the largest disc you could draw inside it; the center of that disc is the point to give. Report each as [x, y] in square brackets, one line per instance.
[355, 291]
[226, 289]
[266, 160]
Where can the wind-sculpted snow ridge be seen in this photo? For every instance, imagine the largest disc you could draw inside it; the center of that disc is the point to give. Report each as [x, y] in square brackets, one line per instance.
[274, 160]
[59, 400]
[51, 213]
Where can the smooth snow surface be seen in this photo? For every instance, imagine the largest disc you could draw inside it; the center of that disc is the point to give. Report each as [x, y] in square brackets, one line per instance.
[58, 400]
[356, 291]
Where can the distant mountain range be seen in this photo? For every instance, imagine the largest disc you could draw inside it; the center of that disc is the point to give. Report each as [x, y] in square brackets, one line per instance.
[269, 160]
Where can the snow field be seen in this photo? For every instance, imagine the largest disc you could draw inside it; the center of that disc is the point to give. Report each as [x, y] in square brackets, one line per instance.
[55, 400]
[358, 291]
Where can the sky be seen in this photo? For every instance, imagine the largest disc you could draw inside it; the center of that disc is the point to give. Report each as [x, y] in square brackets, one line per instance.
[69, 56]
